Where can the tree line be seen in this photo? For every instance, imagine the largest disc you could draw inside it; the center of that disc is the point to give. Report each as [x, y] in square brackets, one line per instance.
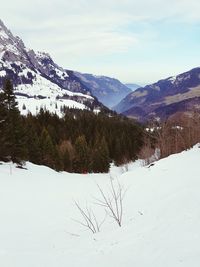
[174, 135]
[80, 141]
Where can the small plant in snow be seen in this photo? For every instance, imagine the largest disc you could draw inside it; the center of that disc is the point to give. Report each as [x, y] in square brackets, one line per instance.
[113, 201]
[89, 220]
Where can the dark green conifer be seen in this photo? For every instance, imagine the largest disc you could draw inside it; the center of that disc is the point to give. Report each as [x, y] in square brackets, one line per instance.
[47, 149]
[100, 157]
[13, 133]
[81, 162]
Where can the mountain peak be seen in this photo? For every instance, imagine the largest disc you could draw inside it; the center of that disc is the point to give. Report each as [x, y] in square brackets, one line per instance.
[38, 81]
[5, 33]
[2, 25]
[35, 74]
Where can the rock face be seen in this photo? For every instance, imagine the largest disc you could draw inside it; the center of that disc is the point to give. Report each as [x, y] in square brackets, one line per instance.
[164, 98]
[35, 75]
[109, 91]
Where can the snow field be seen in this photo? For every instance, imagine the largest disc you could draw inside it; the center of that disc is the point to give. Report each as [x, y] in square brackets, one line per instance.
[160, 224]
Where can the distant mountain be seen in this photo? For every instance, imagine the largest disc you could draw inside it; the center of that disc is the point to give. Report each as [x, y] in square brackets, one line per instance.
[109, 91]
[163, 99]
[39, 82]
[132, 86]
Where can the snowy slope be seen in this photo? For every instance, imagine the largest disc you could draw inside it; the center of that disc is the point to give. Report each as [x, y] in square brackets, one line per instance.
[33, 106]
[35, 75]
[160, 226]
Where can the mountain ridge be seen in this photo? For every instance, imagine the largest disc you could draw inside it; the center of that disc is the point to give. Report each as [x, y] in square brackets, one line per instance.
[30, 70]
[132, 86]
[163, 98]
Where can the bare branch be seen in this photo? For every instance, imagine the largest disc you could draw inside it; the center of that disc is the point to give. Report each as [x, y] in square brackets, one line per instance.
[113, 201]
[89, 219]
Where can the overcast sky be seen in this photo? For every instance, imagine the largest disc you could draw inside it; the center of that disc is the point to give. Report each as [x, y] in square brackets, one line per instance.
[134, 41]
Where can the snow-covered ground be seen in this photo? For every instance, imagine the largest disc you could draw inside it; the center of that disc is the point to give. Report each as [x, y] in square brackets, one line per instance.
[160, 224]
[33, 106]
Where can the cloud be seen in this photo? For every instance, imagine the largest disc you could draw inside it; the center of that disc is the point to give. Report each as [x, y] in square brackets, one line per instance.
[81, 31]
[80, 35]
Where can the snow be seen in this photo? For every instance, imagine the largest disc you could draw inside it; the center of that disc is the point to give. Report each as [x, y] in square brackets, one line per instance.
[40, 86]
[2, 73]
[44, 87]
[160, 223]
[33, 84]
[172, 79]
[96, 111]
[59, 71]
[33, 105]
[3, 34]
[12, 48]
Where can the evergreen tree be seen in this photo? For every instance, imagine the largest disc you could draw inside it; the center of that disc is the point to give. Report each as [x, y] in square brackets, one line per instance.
[3, 113]
[47, 149]
[9, 97]
[100, 157]
[81, 162]
[58, 163]
[13, 133]
[33, 146]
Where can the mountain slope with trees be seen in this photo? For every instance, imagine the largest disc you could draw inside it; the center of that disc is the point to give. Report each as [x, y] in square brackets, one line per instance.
[80, 141]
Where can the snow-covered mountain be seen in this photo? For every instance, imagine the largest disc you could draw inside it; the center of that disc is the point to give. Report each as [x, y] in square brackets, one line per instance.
[160, 226]
[37, 77]
[165, 98]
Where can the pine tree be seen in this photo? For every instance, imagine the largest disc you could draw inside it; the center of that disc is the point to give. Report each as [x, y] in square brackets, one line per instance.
[13, 133]
[66, 154]
[3, 113]
[81, 162]
[47, 149]
[33, 146]
[100, 157]
[9, 97]
[104, 155]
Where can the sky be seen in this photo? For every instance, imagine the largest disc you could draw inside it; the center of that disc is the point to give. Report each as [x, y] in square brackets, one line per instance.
[134, 41]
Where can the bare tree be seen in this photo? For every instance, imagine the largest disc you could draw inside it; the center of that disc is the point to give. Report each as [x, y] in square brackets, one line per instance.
[113, 201]
[147, 151]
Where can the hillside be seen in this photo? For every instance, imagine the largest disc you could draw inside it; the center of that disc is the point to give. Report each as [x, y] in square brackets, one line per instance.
[37, 79]
[108, 90]
[160, 223]
[164, 98]
[40, 83]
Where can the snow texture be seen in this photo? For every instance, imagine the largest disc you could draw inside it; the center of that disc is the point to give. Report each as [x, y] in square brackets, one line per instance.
[33, 105]
[160, 226]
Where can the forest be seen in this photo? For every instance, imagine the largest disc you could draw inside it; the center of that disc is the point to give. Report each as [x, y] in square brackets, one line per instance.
[80, 141]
